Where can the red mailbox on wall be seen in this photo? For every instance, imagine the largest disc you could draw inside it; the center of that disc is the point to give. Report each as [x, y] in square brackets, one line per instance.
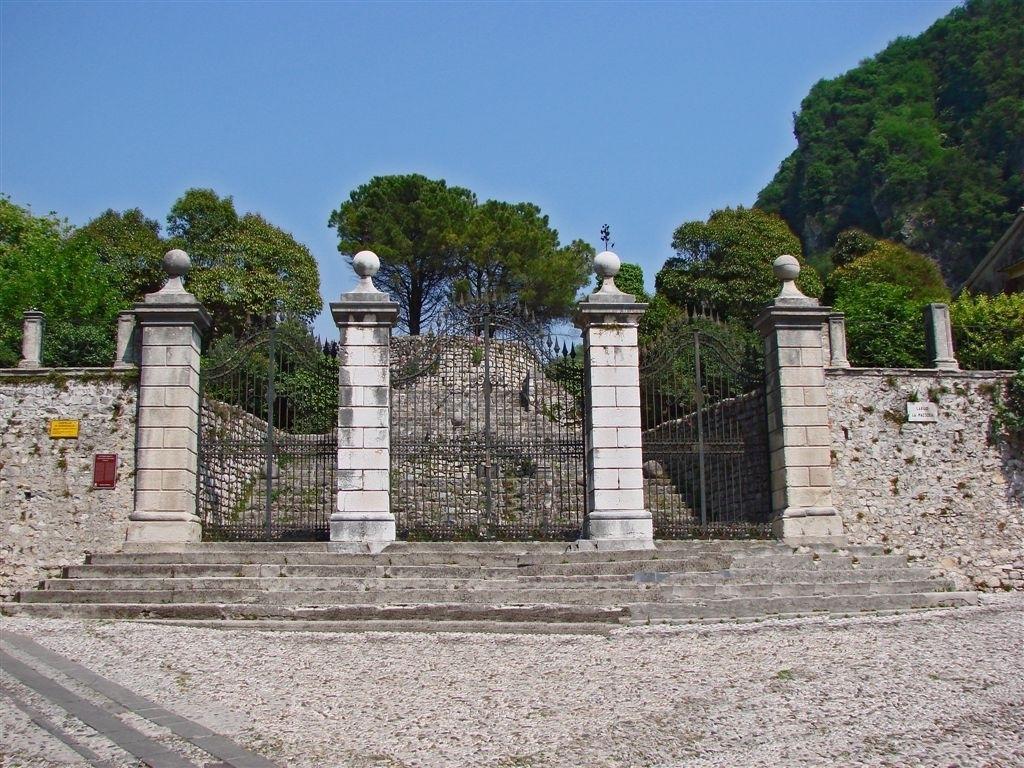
[104, 470]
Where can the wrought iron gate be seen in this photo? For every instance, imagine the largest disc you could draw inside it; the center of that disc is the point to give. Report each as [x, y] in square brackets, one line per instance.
[705, 435]
[486, 430]
[267, 437]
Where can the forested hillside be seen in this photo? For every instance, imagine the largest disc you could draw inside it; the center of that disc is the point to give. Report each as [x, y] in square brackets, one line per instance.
[922, 144]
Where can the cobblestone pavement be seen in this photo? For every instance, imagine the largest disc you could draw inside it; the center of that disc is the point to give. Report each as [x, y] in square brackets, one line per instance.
[943, 688]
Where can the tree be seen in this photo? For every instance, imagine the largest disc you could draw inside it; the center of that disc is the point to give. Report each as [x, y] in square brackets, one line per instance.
[509, 250]
[43, 267]
[884, 261]
[131, 246]
[725, 263]
[882, 292]
[243, 269]
[254, 269]
[199, 217]
[989, 331]
[920, 144]
[417, 227]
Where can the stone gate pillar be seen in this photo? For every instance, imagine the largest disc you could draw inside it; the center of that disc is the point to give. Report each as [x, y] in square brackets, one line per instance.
[616, 516]
[799, 439]
[167, 435]
[364, 317]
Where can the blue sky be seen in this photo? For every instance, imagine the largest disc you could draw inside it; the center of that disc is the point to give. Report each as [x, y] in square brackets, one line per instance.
[639, 115]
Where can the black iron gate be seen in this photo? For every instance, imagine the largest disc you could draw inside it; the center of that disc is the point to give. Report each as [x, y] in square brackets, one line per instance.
[267, 437]
[487, 430]
[705, 432]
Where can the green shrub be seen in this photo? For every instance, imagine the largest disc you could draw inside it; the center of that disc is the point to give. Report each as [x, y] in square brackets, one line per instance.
[989, 331]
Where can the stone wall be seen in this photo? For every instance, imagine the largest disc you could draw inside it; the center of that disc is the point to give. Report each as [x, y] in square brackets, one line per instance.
[943, 492]
[49, 511]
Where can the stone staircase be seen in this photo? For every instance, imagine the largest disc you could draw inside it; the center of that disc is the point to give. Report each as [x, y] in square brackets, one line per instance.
[485, 586]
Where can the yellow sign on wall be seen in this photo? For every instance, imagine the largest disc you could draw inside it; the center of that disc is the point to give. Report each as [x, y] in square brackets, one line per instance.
[64, 428]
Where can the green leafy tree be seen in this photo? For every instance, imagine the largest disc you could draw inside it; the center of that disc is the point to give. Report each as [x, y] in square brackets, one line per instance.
[921, 144]
[883, 325]
[243, 268]
[882, 292]
[417, 227]
[989, 331]
[725, 263]
[199, 217]
[130, 244]
[510, 250]
[888, 262]
[43, 267]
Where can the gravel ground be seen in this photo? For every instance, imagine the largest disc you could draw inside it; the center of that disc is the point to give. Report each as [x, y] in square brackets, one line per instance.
[939, 689]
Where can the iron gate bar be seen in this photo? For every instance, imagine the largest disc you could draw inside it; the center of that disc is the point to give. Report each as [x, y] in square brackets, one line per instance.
[484, 443]
[704, 434]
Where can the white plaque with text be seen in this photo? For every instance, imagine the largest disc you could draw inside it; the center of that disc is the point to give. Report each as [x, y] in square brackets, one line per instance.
[922, 412]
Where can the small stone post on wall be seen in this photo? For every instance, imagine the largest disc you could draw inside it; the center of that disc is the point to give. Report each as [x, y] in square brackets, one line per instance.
[31, 339]
[616, 516]
[837, 340]
[167, 442]
[365, 316]
[799, 439]
[125, 352]
[938, 335]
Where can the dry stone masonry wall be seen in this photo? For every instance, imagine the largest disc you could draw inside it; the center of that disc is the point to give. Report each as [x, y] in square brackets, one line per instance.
[49, 511]
[944, 492]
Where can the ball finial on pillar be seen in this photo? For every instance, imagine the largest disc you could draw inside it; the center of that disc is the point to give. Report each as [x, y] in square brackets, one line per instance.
[176, 264]
[366, 264]
[606, 267]
[786, 269]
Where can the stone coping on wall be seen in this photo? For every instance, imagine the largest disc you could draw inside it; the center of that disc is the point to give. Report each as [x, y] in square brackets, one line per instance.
[32, 375]
[933, 372]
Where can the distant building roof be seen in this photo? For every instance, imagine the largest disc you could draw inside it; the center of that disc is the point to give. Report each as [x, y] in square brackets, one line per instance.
[1002, 269]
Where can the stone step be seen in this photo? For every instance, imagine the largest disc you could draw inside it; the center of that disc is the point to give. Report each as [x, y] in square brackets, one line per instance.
[559, 614]
[816, 560]
[780, 576]
[604, 597]
[513, 588]
[399, 625]
[742, 607]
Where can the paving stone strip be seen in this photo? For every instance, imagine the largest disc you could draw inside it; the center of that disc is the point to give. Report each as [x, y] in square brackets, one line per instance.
[55, 730]
[133, 741]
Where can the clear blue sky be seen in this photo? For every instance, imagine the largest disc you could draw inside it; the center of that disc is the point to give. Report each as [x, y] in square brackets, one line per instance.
[639, 115]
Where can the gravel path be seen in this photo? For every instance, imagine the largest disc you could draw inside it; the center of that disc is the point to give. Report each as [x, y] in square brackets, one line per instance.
[939, 689]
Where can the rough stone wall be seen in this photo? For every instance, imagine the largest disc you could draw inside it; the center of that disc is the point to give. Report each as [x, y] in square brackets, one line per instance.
[945, 493]
[50, 514]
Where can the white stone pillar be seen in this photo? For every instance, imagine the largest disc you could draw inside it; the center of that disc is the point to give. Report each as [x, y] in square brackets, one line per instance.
[616, 516]
[31, 340]
[125, 352]
[938, 331]
[364, 317]
[167, 443]
[799, 439]
[837, 340]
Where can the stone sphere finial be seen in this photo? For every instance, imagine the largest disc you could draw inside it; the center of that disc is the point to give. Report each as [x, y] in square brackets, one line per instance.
[606, 264]
[177, 263]
[366, 264]
[786, 268]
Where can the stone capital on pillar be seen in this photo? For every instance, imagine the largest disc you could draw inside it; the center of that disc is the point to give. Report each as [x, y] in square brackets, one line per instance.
[362, 519]
[31, 339]
[799, 438]
[172, 322]
[616, 515]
